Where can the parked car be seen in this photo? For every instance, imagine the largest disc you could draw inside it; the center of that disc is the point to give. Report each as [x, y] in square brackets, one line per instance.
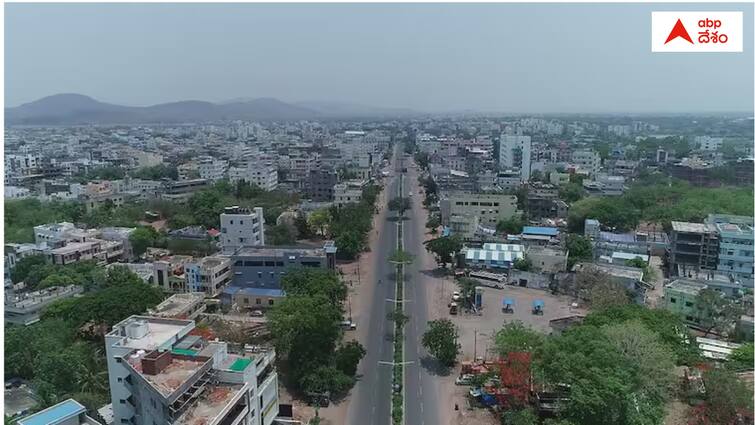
[257, 313]
[348, 325]
[465, 379]
[456, 296]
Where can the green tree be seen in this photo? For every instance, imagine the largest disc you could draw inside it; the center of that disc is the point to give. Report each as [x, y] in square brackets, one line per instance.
[348, 357]
[512, 225]
[312, 282]
[571, 192]
[725, 396]
[142, 238]
[325, 379]
[717, 313]
[399, 204]
[516, 337]
[303, 231]
[741, 358]
[281, 234]
[523, 264]
[524, 416]
[444, 248]
[25, 265]
[579, 248]
[432, 223]
[401, 257]
[320, 220]
[440, 340]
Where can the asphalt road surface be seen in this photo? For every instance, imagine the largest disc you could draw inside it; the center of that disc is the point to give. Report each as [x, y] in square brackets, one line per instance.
[371, 396]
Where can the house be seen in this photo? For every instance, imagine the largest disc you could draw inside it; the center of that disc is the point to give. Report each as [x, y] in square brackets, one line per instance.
[68, 412]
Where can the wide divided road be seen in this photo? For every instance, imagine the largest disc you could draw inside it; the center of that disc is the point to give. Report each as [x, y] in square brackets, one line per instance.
[371, 396]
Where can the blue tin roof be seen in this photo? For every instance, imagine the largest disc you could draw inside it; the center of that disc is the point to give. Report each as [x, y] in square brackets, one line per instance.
[542, 231]
[54, 414]
[258, 292]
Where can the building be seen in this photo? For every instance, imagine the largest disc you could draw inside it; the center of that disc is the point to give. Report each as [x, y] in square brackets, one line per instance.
[558, 179]
[320, 184]
[693, 247]
[707, 143]
[25, 308]
[587, 160]
[604, 185]
[680, 296]
[631, 278]
[161, 371]
[257, 272]
[543, 202]
[547, 260]
[348, 192]
[212, 169]
[241, 227]
[735, 253]
[592, 228]
[515, 153]
[493, 256]
[180, 306]
[539, 235]
[209, 275]
[68, 412]
[262, 174]
[120, 234]
[489, 208]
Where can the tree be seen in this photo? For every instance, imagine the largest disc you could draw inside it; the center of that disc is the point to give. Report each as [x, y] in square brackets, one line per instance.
[523, 264]
[325, 379]
[444, 248]
[651, 360]
[571, 192]
[440, 340]
[281, 234]
[716, 312]
[303, 230]
[432, 223]
[512, 225]
[399, 204]
[741, 358]
[312, 282]
[524, 416]
[142, 238]
[25, 265]
[600, 289]
[467, 287]
[725, 396]
[516, 337]
[579, 248]
[400, 257]
[320, 219]
[348, 357]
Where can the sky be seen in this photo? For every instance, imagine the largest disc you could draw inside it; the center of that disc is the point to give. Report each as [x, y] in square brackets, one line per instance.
[513, 58]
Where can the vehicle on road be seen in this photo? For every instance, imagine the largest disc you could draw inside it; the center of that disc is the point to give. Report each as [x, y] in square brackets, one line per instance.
[453, 308]
[465, 379]
[257, 313]
[491, 280]
[456, 296]
[348, 325]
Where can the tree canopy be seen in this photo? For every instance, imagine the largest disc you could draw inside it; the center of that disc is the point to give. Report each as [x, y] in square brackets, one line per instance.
[440, 339]
[444, 248]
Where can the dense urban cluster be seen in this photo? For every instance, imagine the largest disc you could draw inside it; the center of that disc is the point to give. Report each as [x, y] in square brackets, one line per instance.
[167, 274]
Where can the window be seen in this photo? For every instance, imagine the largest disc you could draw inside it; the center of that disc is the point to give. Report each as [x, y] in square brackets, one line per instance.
[241, 222]
[231, 221]
[253, 263]
[122, 401]
[688, 304]
[672, 300]
[246, 300]
[258, 301]
[270, 302]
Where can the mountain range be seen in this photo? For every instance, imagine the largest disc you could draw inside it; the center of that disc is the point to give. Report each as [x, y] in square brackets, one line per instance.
[77, 109]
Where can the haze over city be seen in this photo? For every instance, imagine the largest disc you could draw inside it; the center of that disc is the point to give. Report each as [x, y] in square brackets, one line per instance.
[512, 58]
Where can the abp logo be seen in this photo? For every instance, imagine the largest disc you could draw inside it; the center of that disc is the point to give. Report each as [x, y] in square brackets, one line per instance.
[696, 32]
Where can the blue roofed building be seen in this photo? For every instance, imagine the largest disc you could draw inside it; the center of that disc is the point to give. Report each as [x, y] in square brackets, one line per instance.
[539, 235]
[257, 272]
[69, 412]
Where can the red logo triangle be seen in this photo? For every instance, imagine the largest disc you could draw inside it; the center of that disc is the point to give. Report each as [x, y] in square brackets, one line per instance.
[679, 31]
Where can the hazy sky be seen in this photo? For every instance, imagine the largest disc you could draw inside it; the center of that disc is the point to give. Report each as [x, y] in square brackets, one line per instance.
[430, 57]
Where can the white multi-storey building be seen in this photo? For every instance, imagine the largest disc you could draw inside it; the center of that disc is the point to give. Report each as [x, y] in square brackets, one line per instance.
[241, 227]
[262, 174]
[587, 159]
[515, 153]
[212, 169]
[707, 143]
[160, 373]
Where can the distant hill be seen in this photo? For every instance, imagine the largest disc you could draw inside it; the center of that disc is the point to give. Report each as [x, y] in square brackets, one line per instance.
[76, 109]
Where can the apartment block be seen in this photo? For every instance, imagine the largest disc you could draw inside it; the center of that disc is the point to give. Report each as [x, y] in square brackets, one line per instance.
[587, 160]
[490, 208]
[161, 371]
[515, 153]
[693, 247]
[241, 227]
[262, 174]
[348, 192]
[735, 254]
